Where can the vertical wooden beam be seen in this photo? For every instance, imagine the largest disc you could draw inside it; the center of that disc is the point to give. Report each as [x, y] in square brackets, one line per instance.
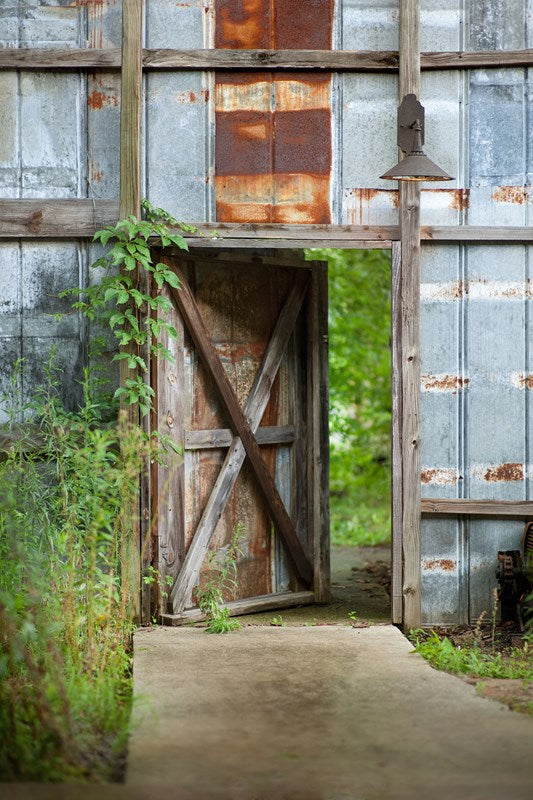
[396, 456]
[130, 203]
[131, 108]
[317, 429]
[409, 82]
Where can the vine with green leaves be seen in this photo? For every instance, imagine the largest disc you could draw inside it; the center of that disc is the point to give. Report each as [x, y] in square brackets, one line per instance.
[118, 301]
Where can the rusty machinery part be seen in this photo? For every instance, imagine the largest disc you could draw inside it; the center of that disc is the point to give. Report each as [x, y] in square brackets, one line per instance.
[515, 584]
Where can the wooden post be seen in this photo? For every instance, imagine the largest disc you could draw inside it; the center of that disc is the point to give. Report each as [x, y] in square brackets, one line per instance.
[409, 82]
[130, 203]
[396, 455]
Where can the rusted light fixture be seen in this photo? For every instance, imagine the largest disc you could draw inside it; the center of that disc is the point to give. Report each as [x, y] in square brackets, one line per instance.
[416, 166]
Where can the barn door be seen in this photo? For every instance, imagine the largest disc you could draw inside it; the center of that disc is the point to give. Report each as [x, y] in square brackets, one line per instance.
[246, 398]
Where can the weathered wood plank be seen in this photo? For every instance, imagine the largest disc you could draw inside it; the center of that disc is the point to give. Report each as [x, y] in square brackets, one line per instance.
[314, 60]
[169, 495]
[396, 374]
[130, 203]
[79, 219]
[223, 437]
[248, 605]
[318, 429]
[409, 82]
[130, 109]
[475, 233]
[62, 219]
[488, 508]
[60, 58]
[253, 412]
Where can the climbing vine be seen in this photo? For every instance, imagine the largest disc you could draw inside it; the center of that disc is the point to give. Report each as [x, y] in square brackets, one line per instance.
[118, 300]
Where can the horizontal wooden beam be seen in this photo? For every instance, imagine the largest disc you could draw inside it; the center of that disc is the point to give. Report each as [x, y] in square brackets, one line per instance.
[489, 508]
[249, 605]
[55, 219]
[315, 60]
[223, 437]
[80, 218]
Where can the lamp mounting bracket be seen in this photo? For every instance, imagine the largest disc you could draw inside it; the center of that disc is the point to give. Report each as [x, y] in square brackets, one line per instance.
[409, 111]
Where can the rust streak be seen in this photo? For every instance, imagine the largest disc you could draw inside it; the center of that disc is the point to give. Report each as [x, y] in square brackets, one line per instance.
[526, 381]
[98, 100]
[439, 477]
[504, 472]
[518, 195]
[439, 565]
[444, 383]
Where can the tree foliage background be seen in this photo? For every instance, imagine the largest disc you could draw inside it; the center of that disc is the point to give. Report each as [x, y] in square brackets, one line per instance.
[360, 393]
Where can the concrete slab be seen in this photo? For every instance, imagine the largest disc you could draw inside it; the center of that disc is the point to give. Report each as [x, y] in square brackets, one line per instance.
[325, 713]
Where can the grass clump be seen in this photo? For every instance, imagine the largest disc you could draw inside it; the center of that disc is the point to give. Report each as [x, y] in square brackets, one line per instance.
[65, 596]
[221, 580]
[470, 659]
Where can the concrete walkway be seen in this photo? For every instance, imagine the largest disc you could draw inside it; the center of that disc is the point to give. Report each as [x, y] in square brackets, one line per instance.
[315, 713]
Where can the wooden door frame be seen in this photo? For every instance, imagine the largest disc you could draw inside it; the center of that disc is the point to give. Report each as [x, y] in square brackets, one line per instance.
[308, 297]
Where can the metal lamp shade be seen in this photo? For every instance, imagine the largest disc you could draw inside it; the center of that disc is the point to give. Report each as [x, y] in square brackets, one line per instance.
[416, 167]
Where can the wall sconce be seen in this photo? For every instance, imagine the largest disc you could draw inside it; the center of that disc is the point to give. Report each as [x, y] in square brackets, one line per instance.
[416, 166]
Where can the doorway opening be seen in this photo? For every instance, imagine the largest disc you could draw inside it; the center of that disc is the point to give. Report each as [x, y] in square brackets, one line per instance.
[247, 398]
[360, 411]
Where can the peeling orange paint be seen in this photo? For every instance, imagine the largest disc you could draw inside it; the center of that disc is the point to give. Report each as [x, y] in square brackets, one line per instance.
[439, 564]
[504, 472]
[518, 195]
[98, 100]
[444, 383]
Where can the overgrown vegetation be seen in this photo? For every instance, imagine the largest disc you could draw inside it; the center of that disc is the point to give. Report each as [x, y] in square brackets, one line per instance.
[68, 484]
[360, 394]
[65, 591]
[221, 581]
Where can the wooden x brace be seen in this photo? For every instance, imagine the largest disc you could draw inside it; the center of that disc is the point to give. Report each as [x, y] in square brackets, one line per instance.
[245, 423]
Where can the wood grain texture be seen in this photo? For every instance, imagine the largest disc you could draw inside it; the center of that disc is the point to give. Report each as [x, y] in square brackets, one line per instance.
[79, 219]
[246, 421]
[249, 605]
[130, 203]
[130, 109]
[57, 219]
[486, 508]
[317, 430]
[169, 494]
[409, 191]
[313, 60]
[223, 437]
[397, 425]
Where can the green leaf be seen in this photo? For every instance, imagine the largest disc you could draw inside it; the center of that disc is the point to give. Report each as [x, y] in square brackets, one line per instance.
[172, 279]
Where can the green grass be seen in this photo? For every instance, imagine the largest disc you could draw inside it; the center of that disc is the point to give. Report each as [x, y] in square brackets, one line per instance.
[439, 651]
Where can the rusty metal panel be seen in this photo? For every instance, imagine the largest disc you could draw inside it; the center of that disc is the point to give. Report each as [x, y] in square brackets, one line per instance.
[273, 153]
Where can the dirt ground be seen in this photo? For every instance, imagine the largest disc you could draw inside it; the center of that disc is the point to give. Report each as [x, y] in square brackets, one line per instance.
[516, 694]
[359, 580]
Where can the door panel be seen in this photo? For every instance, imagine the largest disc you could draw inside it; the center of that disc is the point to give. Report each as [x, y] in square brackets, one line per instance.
[240, 399]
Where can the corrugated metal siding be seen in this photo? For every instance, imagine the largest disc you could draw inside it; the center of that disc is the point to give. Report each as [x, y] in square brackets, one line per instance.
[60, 138]
[475, 417]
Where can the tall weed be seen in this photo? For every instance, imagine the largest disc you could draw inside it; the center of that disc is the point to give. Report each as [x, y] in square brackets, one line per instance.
[65, 597]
